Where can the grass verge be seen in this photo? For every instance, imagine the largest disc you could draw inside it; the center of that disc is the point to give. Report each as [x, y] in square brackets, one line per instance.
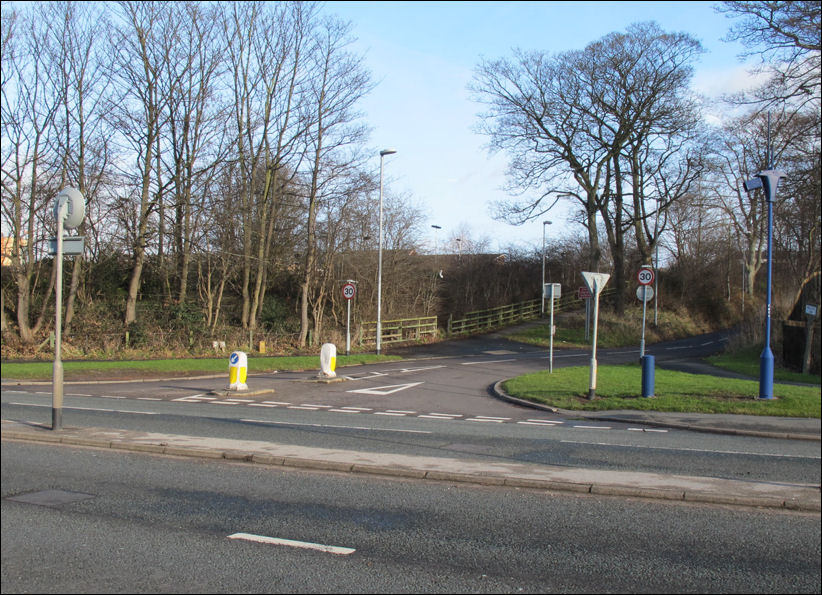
[619, 387]
[124, 370]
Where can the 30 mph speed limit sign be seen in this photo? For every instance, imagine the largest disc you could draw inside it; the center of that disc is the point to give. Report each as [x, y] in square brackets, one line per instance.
[645, 276]
[349, 290]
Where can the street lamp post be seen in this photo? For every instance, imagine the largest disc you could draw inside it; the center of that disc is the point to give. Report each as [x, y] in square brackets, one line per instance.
[383, 153]
[542, 287]
[768, 180]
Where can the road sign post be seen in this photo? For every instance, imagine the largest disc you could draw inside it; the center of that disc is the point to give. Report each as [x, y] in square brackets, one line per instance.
[349, 290]
[552, 291]
[595, 282]
[69, 210]
[584, 294]
[645, 276]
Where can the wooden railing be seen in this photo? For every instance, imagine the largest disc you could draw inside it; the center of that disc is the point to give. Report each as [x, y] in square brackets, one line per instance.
[414, 329]
[482, 320]
[395, 331]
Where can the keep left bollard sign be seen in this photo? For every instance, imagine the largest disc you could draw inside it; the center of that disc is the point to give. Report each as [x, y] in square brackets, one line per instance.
[237, 371]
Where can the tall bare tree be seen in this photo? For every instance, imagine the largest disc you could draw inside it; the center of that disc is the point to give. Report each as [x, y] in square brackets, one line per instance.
[337, 82]
[29, 108]
[582, 124]
[138, 59]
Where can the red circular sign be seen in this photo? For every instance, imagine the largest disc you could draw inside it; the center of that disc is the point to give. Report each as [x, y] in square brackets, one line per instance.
[645, 276]
[349, 291]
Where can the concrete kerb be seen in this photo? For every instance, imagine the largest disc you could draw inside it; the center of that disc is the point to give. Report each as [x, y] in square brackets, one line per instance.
[807, 501]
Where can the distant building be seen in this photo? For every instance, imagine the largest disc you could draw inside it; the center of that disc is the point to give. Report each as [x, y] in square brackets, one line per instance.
[8, 248]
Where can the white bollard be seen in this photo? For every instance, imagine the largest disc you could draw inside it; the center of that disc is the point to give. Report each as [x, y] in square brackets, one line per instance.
[328, 360]
[237, 371]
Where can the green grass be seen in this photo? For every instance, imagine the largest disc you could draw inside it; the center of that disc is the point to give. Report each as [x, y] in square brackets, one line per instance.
[620, 387]
[746, 361]
[89, 370]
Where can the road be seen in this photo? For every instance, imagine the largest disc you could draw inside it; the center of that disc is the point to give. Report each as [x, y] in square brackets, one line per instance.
[437, 404]
[87, 520]
[76, 519]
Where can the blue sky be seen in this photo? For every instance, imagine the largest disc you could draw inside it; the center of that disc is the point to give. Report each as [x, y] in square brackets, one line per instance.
[422, 55]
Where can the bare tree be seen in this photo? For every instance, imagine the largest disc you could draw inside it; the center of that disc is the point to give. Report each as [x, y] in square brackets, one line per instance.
[337, 82]
[195, 125]
[138, 59]
[81, 148]
[29, 108]
[786, 36]
[590, 119]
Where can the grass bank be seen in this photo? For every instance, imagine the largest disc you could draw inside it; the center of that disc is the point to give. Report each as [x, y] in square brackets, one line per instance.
[124, 370]
[620, 387]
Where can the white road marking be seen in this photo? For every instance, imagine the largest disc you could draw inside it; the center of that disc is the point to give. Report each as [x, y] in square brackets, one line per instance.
[330, 549]
[291, 423]
[721, 452]
[496, 361]
[384, 390]
[593, 427]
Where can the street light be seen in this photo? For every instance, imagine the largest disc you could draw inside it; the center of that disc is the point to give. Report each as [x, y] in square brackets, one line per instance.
[768, 180]
[436, 256]
[542, 287]
[383, 153]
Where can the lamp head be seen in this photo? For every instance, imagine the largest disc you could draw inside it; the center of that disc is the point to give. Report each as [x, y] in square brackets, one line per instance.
[385, 152]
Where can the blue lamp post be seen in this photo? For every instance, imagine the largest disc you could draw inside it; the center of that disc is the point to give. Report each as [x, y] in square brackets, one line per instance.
[768, 180]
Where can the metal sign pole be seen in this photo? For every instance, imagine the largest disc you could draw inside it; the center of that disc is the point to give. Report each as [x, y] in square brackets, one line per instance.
[57, 374]
[595, 282]
[551, 340]
[348, 329]
[644, 307]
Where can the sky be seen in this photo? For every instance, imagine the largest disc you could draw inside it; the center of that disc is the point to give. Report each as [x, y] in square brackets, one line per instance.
[422, 55]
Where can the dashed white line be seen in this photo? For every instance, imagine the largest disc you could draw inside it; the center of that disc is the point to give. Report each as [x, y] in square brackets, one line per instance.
[592, 427]
[330, 549]
[496, 361]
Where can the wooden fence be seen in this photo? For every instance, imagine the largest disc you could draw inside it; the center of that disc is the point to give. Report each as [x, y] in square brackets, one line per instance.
[413, 329]
[395, 331]
[482, 320]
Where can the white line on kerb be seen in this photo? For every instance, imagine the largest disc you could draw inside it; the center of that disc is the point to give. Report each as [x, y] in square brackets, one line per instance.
[330, 549]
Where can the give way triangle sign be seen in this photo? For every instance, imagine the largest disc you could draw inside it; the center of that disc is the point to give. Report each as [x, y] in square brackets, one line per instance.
[595, 281]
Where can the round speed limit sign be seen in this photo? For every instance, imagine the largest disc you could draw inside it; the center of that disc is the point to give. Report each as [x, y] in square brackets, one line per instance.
[349, 290]
[645, 276]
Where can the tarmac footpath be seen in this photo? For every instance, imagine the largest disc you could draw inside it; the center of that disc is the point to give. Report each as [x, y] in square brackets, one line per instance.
[657, 486]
